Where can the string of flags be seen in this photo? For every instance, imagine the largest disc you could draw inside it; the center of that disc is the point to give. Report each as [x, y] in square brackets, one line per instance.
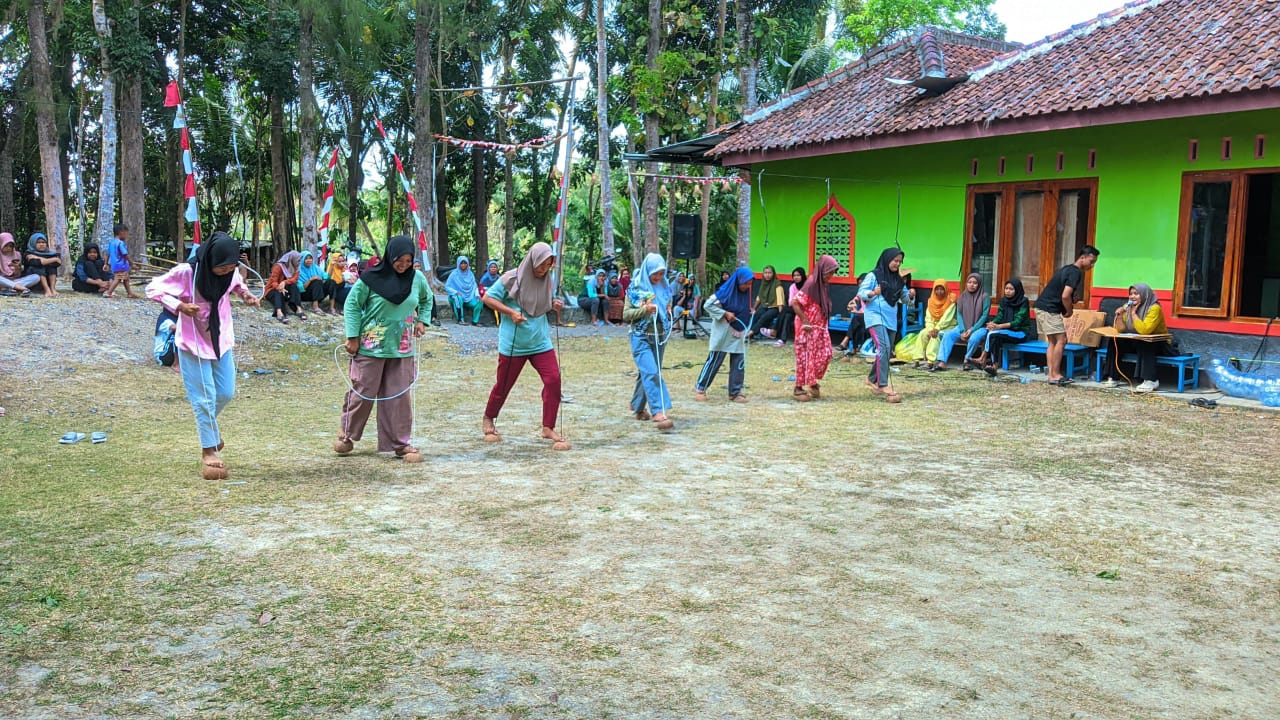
[327, 209]
[724, 181]
[173, 99]
[536, 144]
[404, 183]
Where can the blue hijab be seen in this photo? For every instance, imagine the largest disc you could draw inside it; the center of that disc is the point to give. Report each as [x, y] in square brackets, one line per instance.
[462, 282]
[733, 299]
[641, 289]
[491, 274]
[307, 274]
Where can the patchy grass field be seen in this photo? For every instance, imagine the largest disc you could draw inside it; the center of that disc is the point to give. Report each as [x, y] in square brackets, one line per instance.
[980, 551]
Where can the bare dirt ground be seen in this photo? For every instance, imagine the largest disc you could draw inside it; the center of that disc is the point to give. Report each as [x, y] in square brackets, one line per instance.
[983, 550]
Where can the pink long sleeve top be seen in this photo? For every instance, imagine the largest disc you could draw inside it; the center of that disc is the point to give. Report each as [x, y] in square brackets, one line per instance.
[176, 287]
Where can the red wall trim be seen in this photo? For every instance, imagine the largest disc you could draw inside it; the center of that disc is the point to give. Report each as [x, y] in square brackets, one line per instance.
[1266, 99]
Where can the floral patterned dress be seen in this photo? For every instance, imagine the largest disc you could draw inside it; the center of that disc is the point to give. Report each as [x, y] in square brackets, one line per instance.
[813, 346]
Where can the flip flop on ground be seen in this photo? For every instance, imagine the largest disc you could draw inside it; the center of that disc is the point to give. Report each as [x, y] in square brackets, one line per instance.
[71, 438]
[98, 438]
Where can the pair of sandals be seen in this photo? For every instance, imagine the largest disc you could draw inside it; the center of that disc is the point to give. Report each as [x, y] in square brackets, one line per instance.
[72, 438]
[805, 394]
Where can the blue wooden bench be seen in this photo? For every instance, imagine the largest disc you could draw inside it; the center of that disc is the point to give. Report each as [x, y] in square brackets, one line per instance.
[1188, 366]
[1075, 356]
[840, 323]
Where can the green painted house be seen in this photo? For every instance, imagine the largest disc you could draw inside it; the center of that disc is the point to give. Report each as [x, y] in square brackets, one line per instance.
[1152, 132]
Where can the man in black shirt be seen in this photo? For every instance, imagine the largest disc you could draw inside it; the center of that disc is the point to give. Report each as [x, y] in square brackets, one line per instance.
[1055, 303]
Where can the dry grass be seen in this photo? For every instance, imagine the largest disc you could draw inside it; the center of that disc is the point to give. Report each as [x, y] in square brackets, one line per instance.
[979, 551]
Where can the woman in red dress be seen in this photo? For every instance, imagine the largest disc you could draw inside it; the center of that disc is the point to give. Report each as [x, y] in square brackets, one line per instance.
[812, 306]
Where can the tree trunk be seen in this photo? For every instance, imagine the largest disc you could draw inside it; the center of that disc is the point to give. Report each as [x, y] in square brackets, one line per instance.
[602, 115]
[105, 216]
[280, 216]
[637, 228]
[307, 128]
[9, 143]
[748, 70]
[480, 198]
[355, 168]
[713, 110]
[508, 176]
[175, 150]
[651, 132]
[47, 132]
[423, 134]
[133, 188]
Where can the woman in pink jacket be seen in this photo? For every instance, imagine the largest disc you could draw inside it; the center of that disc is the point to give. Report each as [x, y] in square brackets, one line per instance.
[199, 293]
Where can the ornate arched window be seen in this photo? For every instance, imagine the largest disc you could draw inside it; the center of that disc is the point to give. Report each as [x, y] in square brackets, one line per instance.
[831, 232]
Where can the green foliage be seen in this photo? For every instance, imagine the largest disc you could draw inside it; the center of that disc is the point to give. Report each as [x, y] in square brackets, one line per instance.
[868, 23]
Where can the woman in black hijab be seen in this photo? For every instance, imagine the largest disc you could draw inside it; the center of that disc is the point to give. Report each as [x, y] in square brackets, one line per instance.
[92, 274]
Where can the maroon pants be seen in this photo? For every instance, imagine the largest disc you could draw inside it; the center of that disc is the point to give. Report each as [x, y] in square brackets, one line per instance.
[509, 371]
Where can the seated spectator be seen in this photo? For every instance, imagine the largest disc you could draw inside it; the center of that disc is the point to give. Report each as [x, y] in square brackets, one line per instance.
[857, 333]
[1012, 323]
[490, 276]
[768, 303]
[12, 278]
[311, 282]
[688, 300]
[335, 284]
[92, 274]
[615, 286]
[939, 317]
[724, 277]
[42, 262]
[786, 328]
[464, 292]
[973, 308]
[1142, 315]
[594, 299]
[281, 289]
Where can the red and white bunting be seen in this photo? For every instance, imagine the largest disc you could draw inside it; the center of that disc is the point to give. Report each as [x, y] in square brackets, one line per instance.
[537, 144]
[724, 181]
[327, 210]
[413, 202]
[173, 98]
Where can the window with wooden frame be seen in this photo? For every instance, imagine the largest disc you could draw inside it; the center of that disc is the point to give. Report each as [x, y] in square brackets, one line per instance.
[1228, 263]
[1028, 231]
[831, 232]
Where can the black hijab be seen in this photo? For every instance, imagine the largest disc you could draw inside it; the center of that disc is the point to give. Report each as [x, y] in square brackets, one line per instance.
[1010, 306]
[384, 280]
[219, 250]
[92, 268]
[891, 283]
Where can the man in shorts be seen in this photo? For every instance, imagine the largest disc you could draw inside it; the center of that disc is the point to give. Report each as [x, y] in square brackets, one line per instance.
[118, 255]
[1055, 303]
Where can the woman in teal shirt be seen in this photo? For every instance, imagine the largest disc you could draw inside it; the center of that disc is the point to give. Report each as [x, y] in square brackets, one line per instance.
[388, 307]
[525, 296]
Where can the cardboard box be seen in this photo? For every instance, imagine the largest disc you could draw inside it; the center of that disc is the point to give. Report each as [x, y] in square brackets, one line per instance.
[1080, 327]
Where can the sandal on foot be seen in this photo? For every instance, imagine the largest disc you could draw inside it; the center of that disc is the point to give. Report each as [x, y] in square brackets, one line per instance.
[409, 454]
[990, 370]
[799, 395]
[343, 446]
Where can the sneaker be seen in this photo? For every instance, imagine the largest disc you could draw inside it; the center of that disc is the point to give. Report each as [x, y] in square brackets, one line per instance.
[1110, 383]
[1148, 386]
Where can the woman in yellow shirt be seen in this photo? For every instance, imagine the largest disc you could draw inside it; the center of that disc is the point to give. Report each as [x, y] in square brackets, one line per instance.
[1142, 315]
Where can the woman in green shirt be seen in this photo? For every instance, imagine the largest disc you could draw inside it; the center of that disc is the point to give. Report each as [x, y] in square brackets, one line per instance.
[525, 296]
[388, 307]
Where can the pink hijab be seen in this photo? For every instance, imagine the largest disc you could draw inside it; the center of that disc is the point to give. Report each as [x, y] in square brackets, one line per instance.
[817, 287]
[8, 253]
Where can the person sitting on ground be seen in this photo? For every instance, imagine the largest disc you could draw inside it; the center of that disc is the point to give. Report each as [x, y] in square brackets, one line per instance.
[973, 309]
[688, 300]
[12, 278]
[335, 284]
[615, 286]
[939, 317]
[595, 298]
[92, 274]
[490, 276]
[785, 329]
[121, 266]
[1012, 323]
[1142, 315]
[857, 334]
[281, 289]
[729, 309]
[43, 262]
[768, 303]
[464, 292]
[311, 282]
[724, 276]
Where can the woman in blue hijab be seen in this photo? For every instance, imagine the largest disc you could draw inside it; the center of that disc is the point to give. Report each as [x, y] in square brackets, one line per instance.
[311, 282]
[464, 292]
[730, 312]
[648, 311]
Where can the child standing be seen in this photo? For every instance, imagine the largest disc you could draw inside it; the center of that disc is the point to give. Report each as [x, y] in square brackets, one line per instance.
[389, 306]
[118, 256]
[198, 293]
[648, 311]
[730, 311]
